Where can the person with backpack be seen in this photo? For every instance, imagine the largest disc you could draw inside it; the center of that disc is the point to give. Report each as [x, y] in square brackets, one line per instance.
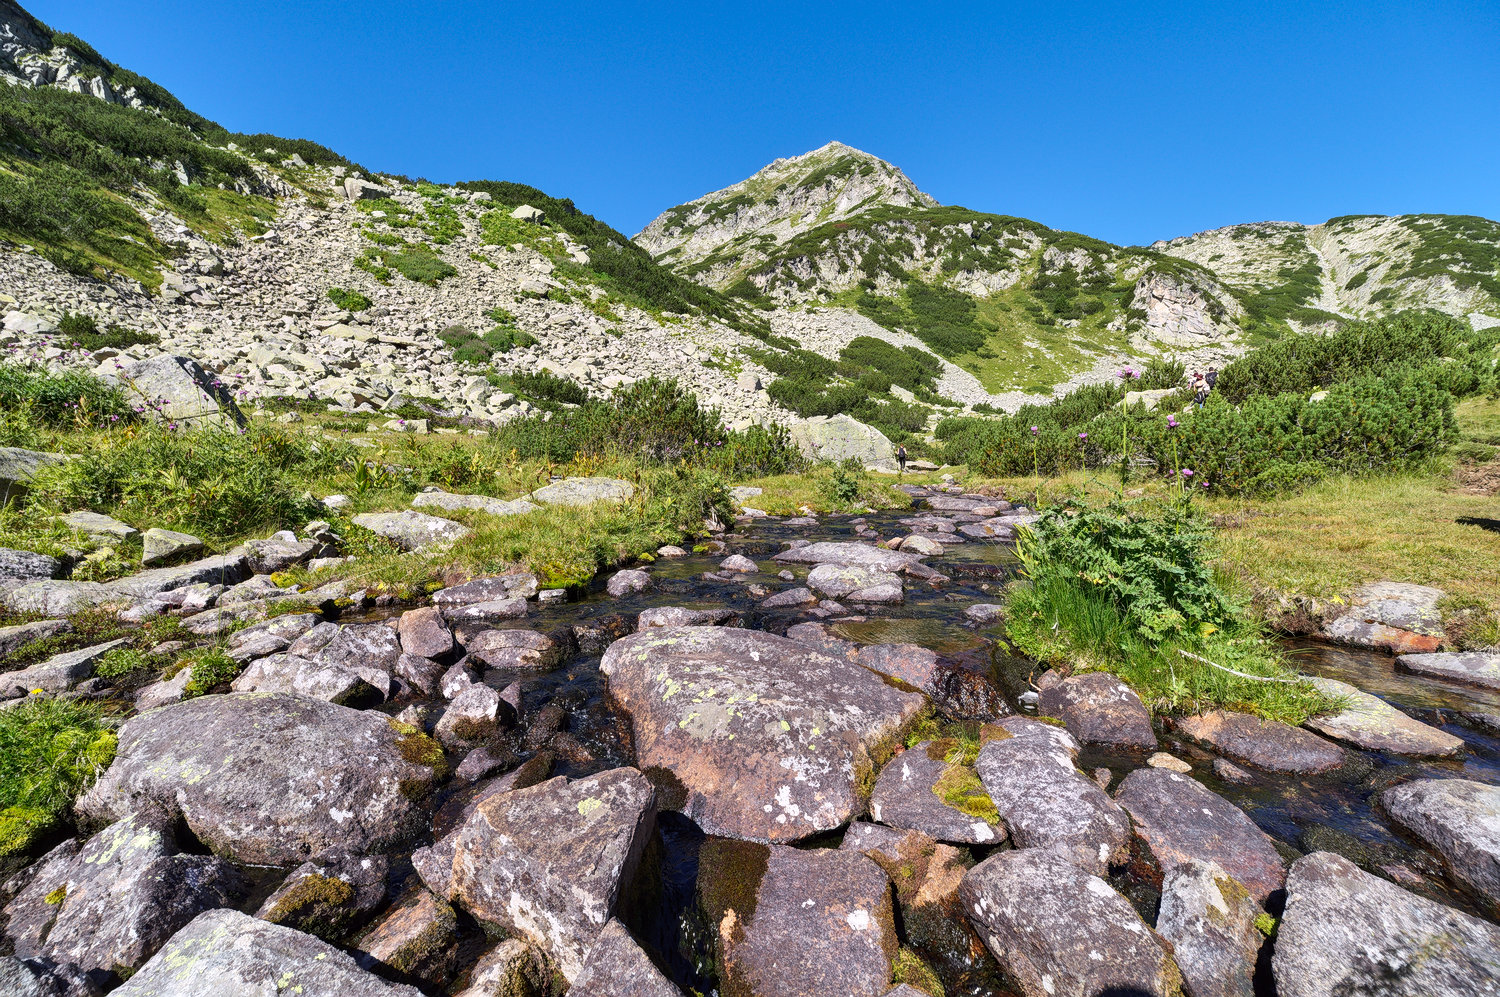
[901, 457]
[1212, 377]
[1200, 389]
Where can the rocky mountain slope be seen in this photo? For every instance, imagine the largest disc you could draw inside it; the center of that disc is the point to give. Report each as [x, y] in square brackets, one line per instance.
[732, 228]
[1022, 308]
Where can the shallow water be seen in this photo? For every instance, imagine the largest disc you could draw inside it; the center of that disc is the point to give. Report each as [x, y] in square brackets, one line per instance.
[1337, 811]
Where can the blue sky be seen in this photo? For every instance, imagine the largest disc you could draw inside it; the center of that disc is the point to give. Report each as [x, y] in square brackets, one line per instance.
[1129, 122]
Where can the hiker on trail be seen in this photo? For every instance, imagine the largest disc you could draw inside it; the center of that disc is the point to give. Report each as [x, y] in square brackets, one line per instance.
[1212, 377]
[1200, 389]
[901, 458]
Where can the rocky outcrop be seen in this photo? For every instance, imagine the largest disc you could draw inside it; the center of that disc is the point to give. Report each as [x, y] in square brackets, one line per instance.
[1030, 773]
[841, 437]
[229, 954]
[756, 736]
[1348, 932]
[1060, 932]
[795, 923]
[1185, 313]
[1460, 820]
[270, 778]
[548, 863]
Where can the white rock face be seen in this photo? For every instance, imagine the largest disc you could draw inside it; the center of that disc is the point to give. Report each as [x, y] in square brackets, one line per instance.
[787, 197]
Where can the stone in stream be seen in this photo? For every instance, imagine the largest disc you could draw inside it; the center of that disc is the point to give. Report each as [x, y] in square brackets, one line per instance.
[791, 598]
[472, 716]
[1100, 709]
[1481, 668]
[1391, 616]
[514, 651]
[1059, 931]
[548, 863]
[798, 923]
[850, 554]
[417, 938]
[919, 789]
[739, 563]
[287, 673]
[1178, 821]
[1374, 725]
[584, 491]
[512, 608]
[1045, 802]
[855, 583]
[985, 613]
[329, 895]
[25, 566]
[516, 584]
[913, 664]
[410, 530]
[58, 673]
[423, 631]
[107, 905]
[1346, 932]
[270, 778]
[1210, 920]
[681, 616]
[628, 582]
[617, 967]
[1460, 820]
[514, 969]
[758, 736]
[229, 954]
[926, 875]
[1266, 744]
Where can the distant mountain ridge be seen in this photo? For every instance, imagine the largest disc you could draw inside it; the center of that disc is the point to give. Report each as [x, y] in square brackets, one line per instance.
[1023, 307]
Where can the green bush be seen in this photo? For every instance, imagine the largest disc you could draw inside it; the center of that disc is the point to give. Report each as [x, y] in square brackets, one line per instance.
[1153, 568]
[82, 331]
[1460, 359]
[50, 750]
[548, 390]
[214, 484]
[61, 400]
[351, 301]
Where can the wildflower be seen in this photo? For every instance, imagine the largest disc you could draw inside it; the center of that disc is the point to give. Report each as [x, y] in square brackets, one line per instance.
[1172, 422]
[1033, 430]
[1083, 436]
[1187, 473]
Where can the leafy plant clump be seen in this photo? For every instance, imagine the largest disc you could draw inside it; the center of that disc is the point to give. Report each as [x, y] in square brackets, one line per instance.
[1111, 588]
[351, 301]
[60, 401]
[50, 750]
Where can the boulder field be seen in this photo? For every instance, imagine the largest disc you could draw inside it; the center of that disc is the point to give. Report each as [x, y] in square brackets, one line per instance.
[791, 764]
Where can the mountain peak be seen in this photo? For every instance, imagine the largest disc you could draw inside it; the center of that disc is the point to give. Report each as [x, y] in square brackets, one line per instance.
[779, 201]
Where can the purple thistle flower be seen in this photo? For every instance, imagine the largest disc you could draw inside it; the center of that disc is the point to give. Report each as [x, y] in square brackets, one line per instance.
[1187, 473]
[1083, 436]
[1033, 430]
[1172, 422]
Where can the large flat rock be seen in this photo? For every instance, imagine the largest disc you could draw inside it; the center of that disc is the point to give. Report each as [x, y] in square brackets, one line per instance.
[1481, 668]
[1180, 822]
[848, 553]
[65, 597]
[1060, 932]
[798, 923]
[759, 736]
[224, 953]
[109, 903]
[584, 491]
[412, 530]
[271, 778]
[1346, 932]
[179, 393]
[1210, 921]
[484, 503]
[1266, 744]
[1460, 820]
[548, 863]
[1043, 799]
[1371, 723]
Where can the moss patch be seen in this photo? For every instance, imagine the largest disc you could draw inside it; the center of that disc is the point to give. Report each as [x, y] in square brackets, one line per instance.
[316, 904]
[959, 787]
[911, 970]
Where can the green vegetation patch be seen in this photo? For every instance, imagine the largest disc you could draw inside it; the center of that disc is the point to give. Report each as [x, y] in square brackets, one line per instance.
[50, 750]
